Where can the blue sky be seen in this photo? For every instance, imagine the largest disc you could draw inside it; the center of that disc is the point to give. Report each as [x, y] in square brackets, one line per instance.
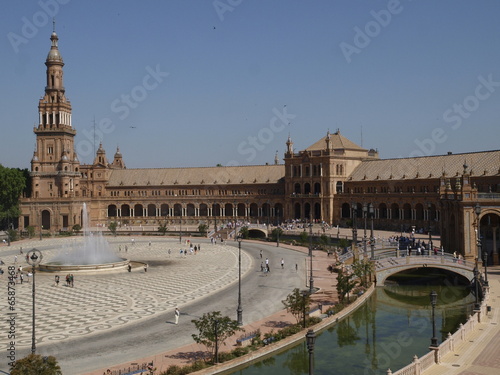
[230, 79]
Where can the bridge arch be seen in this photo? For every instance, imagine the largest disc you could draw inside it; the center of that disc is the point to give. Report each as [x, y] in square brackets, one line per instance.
[392, 266]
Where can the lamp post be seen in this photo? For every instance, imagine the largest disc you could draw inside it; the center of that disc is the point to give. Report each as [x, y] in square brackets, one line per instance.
[485, 262]
[365, 213]
[180, 228]
[354, 224]
[476, 283]
[310, 338]
[434, 340]
[239, 310]
[477, 210]
[33, 257]
[429, 207]
[304, 298]
[372, 238]
[311, 280]
[216, 334]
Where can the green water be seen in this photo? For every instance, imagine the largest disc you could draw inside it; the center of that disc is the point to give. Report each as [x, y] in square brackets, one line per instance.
[392, 326]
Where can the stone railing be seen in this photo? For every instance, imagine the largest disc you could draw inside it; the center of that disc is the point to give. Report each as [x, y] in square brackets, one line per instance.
[419, 365]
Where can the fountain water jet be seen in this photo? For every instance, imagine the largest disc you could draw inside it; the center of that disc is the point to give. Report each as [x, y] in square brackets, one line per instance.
[92, 253]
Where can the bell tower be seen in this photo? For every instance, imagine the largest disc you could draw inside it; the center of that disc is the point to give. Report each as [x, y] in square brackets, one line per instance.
[55, 166]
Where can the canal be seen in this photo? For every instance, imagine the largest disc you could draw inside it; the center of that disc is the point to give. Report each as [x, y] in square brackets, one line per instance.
[392, 326]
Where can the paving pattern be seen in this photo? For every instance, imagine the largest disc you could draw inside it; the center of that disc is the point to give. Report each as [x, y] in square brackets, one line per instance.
[102, 302]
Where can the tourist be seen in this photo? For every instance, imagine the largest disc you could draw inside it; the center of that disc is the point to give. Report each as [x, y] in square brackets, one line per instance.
[169, 253]
[145, 267]
[129, 267]
[282, 263]
[57, 280]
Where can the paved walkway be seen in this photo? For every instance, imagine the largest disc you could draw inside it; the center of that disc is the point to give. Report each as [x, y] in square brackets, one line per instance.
[323, 280]
[479, 354]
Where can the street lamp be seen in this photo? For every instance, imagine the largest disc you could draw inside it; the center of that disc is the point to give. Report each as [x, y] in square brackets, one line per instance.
[311, 280]
[372, 238]
[365, 213]
[180, 228]
[476, 283]
[485, 262]
[304, 298]
[216, 333]
[434, 340]
[310, 338]
[33, 257]
[429, 207]
[354, 224]
[239, 310]
[477, 210]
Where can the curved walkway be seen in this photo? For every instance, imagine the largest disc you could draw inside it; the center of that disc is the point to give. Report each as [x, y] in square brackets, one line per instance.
[323, 280]
[479, 354]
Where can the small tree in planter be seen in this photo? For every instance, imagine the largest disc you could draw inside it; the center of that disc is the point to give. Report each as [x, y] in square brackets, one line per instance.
[213, 329]
[162, 228]
[297, 303]
[112, 227]
[203, 228]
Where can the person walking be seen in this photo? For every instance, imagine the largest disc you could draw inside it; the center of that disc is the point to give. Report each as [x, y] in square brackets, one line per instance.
[177, 314]
[282, 263]
[57, 280]
[145, 267]
[261, 254]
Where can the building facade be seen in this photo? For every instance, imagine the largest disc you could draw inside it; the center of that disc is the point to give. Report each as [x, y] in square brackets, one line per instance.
[334, 181]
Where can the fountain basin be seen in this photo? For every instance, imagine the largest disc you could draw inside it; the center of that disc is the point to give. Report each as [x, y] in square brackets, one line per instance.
[106, 267]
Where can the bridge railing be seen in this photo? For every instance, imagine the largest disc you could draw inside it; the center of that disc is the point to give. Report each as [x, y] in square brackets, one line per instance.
[419, 365]
[387, 260]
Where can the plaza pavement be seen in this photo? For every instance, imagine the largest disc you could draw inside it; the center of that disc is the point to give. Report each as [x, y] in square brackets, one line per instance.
[107, 319]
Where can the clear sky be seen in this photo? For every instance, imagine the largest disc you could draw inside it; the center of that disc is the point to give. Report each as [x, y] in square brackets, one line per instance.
[197, 83]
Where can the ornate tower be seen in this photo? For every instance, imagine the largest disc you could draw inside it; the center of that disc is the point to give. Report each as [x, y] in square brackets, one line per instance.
[55, 166]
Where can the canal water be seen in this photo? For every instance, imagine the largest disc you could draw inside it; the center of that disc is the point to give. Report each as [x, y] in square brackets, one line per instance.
[392, 326]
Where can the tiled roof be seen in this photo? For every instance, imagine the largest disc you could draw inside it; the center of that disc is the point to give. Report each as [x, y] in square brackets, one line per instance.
[337, 141]
[486, 163]
[261, 174]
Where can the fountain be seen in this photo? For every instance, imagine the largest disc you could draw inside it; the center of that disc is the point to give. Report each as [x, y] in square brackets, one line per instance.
[92, 253]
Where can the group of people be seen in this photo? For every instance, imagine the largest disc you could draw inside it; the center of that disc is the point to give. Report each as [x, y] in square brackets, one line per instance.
[70, 280]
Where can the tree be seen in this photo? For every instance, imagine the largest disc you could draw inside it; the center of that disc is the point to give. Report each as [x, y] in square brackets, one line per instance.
[304, 236]
[361, 269]
[12, 184]
[244, 232]
[296, 303]
[35, 364]
[163, 228]
[213, 329]
[112, 227]
[345, 284]
[202, 228]
[77, 228]
[31, 231]
[275, 233]
[324, 240]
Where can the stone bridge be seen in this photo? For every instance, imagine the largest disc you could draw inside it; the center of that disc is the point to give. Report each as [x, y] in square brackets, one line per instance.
[388, 266]
[261, 228]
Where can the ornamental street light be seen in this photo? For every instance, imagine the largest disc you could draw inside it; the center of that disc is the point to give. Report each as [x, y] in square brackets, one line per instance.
[476, 284]
[354, 224]
[434, 340]
[310, 339]
[216, 334]
[180, 228]
[372, 238]
[429, 207]
[239, 310]
[311, 280]
[304, 299]
[485, 262]
[33, 257]
[477, 210]
[365, 214]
